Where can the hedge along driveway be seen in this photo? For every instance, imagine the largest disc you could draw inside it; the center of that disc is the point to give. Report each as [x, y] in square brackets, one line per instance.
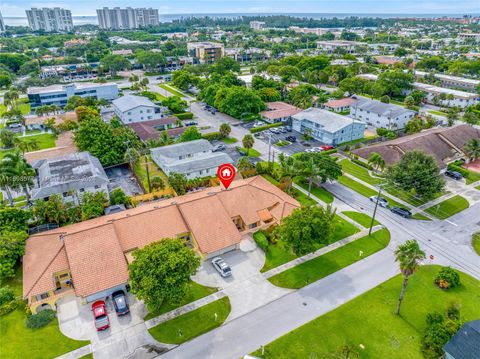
[320, 267]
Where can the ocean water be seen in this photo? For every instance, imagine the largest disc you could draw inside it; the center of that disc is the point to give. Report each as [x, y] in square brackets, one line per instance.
[83, 20]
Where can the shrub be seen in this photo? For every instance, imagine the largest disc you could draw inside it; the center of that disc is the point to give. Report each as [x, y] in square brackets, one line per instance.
[261, 240]
[265, 127]
[361, 163]
[329, 152]
[447, 278]
[454, 167]
[184, 116]
[211, 136]
[40, 319]
[10, 307]
[7, 295]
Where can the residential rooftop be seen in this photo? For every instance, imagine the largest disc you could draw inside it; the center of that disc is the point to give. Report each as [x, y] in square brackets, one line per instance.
[329, 121]
[279, 109]
[384, 109]
[129, 102]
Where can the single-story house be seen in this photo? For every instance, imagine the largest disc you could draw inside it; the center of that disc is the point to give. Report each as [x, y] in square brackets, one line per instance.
[69, 176]
[90, 259]
[465, 344]
[444, 144]
[193, 159]
[147, 130]
[279, 112]
[132, 109]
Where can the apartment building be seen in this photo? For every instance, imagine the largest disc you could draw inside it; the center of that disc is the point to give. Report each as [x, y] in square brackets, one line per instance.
[127, 19]
[257, 25]
[327, 127]
[59, 94]
[131, 109]
[329, 47]
[309, 30]
[468, 37]
[453, 82]
[2, 24]
[49, 19]
[381, 115]
[206, 51]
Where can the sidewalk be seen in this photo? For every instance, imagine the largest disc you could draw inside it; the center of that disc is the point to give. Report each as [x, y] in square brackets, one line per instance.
[77, 353]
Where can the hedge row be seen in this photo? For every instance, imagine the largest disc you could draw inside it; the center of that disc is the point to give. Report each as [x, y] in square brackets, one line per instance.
[184, 116]
[40, 319]
[211, 136]
[361, 163]
[266, 127]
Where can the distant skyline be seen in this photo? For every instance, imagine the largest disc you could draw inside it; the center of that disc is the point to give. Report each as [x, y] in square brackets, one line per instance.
[16, 8]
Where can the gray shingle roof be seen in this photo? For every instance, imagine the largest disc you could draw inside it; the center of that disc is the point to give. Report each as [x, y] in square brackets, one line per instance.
[383, 109]
[465, 344]
[129, 102]
[330, 121]
[69, 172]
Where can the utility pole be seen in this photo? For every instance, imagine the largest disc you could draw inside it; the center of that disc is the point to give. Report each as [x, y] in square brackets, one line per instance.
[375, 210]
[269, 146]
[148, 174]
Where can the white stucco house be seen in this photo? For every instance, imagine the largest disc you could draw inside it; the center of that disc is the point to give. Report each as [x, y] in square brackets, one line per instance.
[132, 109]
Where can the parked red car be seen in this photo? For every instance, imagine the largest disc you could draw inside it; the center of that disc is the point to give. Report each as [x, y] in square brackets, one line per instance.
[100, 314]
[326, 147]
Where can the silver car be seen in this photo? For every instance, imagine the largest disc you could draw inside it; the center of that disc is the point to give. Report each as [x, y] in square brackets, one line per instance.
[222, 267]
[382, 202]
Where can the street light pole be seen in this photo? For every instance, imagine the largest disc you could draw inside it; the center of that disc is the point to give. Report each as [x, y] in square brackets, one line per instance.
[375, 210]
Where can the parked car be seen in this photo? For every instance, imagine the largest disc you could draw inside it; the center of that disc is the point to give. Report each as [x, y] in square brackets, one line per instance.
[314, 149]
[190, 123]
[382, 202]
[15, 127]
[453, 174]
[405, 213]
[326, 147]
[100, 315]
[218, 148]
[221, 266]
[120, 302]
[291, 138]
[275, 130]
[282, 129]
[288, 128]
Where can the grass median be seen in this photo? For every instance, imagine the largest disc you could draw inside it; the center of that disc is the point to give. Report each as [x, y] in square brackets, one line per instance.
[320, 267]
[449, 207]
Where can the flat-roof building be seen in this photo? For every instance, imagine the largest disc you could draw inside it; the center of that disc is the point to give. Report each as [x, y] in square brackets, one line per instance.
[379, 114]
[206, 51]
[59, 94]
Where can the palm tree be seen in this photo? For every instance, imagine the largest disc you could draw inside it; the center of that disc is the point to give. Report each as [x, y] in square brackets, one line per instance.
[22, 171]
[32, 145]
[287, 169]
[308, 169]
[376, 161]
[6, 181]
[472, 149]
[408, 255]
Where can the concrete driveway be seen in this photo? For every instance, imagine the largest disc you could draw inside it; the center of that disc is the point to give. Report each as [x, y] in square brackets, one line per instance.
[247, 288]
[126, 337]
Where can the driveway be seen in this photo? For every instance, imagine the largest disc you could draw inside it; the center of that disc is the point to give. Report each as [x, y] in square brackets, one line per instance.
[247, 289]
[126, 337]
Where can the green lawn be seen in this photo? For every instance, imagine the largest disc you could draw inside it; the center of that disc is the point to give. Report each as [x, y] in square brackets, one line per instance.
[250, 152]
[153, 171]
[44, 140]
[301, 197]
[476, 242]
[172, 90]
[368, 322]
[361, 218]
[280, 253]
[472, 176]
[319, 192]
[20, 342]
[448, 207]
[409, 198]
[359, 172]
[439, 113]
[320, 267]
[194, 292]
[420, 217]
[230, 140]
[192, 324]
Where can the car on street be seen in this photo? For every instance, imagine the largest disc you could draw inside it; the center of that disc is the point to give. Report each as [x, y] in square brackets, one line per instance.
[291, 138]
[453, 174]
[100, 315]
[190, 123]
[326, 147]
[405, 213]
[218, 148]
[120, 302]
[221, 267]
[382, 202]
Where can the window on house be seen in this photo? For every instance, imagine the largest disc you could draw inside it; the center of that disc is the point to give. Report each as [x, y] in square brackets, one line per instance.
[42, 296]
[253, 225]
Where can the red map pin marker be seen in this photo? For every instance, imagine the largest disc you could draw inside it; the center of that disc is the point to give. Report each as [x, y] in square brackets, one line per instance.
[226, 174]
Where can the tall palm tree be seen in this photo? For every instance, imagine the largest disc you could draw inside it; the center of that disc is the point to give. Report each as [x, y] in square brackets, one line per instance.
[408, 255]
[287, 169]
[22, 171]
[309, 169]
[376, 161]
[6, 181]
[472, 149]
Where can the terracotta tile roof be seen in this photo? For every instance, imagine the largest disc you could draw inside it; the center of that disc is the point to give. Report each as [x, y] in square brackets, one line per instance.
[96, 260]
[279, 110]
[94, 250]
[341, 103]
[146, 130]
[441, 143]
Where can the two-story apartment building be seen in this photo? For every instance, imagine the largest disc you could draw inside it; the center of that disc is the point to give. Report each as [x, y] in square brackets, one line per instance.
[132, 109]
[328, 127]
[59, 94]
[69, 176]
[193, 159]
[453, 82]
[90, 259]
[378, 114]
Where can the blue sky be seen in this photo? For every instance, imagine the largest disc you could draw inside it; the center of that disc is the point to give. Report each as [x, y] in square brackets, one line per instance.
[87, 7]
